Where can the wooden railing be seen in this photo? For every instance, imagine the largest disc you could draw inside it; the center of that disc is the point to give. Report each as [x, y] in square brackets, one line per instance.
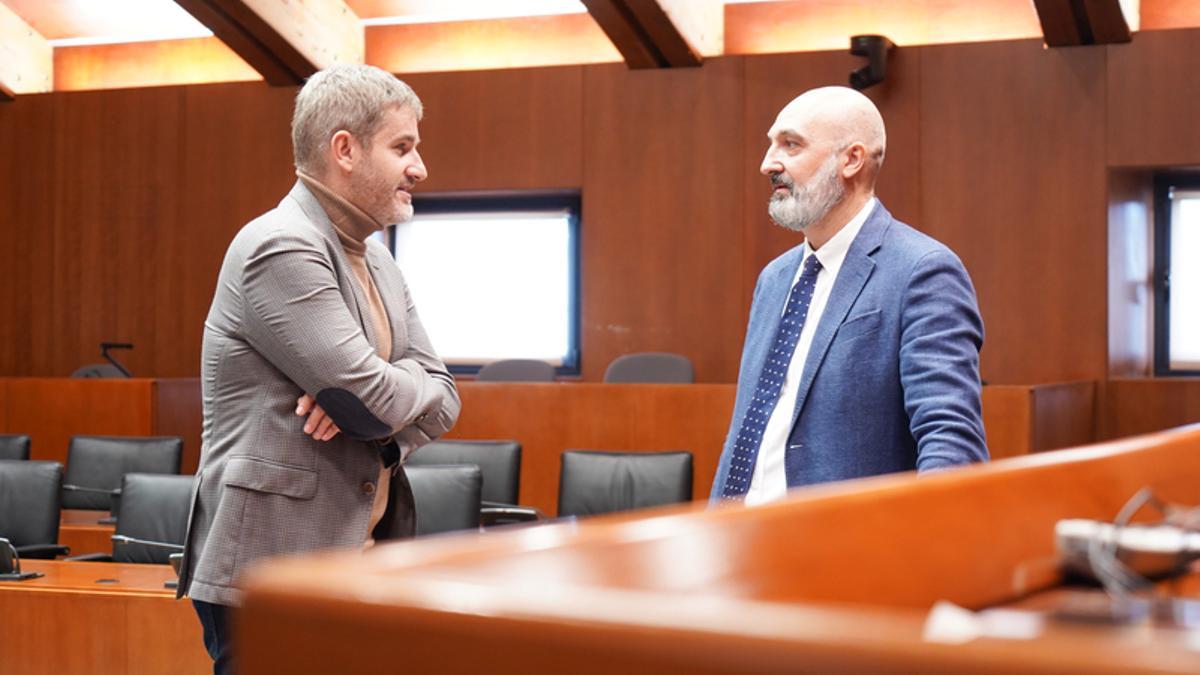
[837, 578]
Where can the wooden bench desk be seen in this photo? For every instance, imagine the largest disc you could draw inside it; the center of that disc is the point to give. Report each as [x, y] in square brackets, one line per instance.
[546, 418]
[836, 578]
[89, 617]
[84, 533]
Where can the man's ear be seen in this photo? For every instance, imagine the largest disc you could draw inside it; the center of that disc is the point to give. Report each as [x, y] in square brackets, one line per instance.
[344, 149]
[855, 160]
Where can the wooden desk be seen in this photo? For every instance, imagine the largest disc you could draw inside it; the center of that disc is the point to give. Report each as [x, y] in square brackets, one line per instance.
[545, 418]
[52, 409]
[548, 418]
[1020, 419]
[837, 578]
[66, 622]
[83, 532]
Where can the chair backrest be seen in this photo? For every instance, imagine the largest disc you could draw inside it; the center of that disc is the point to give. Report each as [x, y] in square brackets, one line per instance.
[500, 462]
[98, 370]
[659, 367]
[99, 462]
[446, 497]
[29, 501]
[516, 370]
[14, 446]
[154, 507]
[592, 482]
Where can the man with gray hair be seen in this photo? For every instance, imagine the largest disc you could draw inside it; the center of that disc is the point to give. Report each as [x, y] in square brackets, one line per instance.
[862, 350]
[317, 376]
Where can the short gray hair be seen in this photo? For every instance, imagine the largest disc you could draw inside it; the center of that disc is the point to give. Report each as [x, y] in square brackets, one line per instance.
[347, 96]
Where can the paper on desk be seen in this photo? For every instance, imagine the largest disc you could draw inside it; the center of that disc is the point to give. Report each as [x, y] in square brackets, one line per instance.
[950, 624]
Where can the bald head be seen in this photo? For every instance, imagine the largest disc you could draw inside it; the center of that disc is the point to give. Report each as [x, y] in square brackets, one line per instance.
[838, 117]
[826, 149]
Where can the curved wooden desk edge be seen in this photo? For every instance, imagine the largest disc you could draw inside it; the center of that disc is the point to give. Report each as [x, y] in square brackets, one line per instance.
[861, 559]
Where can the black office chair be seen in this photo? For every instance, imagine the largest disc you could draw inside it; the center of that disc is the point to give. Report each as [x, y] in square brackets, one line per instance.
[153, 523]
[14, 446]
[99, 370]
[29, 507]
[655, 367]
[592, 482]
[516, 370]
[500, 463]
[446, 497]
[96, 464]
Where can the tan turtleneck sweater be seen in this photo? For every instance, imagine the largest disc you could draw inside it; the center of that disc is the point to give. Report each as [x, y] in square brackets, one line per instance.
[353, 226]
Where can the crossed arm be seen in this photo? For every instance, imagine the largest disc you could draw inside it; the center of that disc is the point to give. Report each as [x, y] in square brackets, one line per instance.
[295, 316]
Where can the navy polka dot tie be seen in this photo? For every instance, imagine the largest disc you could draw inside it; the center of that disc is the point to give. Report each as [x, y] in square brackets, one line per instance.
[770, 381]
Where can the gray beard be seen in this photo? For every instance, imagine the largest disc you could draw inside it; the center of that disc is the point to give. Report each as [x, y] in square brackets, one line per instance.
[810, 202]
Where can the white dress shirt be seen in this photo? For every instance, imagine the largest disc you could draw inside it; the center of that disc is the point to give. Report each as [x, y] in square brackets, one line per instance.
[769, 482]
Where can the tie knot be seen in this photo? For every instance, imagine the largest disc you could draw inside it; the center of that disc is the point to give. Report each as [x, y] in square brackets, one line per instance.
[811, 264]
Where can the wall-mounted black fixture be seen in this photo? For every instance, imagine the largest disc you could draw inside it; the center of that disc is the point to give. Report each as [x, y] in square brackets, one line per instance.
[875, 48]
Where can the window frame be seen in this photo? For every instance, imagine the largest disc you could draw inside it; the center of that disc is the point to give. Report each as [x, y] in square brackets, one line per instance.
[476, 202]
[1164, 182]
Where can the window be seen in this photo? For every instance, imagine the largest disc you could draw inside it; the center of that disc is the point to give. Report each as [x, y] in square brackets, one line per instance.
[1177, 274]
[495, 277]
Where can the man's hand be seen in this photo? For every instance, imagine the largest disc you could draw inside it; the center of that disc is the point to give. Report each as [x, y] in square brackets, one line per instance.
[318, 425]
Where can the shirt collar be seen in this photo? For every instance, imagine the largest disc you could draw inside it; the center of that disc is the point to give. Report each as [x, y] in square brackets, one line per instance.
[352, 224]
[834, 251]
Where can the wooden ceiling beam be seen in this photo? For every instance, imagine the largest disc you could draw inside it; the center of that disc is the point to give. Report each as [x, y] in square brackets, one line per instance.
[26, 58]
[284, 41]
[1110, 21]
[1068, 23]
[661, 33]
[627, 36]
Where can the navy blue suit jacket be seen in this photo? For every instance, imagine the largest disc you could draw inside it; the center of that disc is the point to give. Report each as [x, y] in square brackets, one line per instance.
[891, 382]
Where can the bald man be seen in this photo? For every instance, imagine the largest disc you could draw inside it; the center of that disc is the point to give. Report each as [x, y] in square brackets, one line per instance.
[862, 351]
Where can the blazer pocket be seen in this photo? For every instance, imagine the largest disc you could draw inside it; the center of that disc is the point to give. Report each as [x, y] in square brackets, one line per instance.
[862, 324]
[263, 475]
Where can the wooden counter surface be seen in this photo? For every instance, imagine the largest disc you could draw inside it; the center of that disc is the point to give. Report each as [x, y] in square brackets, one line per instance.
[836, 578]
[88, 617]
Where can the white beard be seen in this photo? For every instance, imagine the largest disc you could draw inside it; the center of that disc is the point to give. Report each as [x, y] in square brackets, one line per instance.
[807, 203]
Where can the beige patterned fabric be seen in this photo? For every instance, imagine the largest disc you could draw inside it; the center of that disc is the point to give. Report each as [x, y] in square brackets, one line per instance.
[287, 318]
[352, 226]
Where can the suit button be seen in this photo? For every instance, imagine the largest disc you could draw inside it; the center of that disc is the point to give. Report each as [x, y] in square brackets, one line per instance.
[368, 487]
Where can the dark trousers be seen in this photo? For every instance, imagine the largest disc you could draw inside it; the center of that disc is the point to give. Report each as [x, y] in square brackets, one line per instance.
[217, 634]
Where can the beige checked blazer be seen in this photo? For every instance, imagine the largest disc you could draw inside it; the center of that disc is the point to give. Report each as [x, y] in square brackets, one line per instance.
[288, 318]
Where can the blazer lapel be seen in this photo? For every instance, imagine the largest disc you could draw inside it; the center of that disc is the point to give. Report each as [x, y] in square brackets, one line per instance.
[356, 300]
[774, 289]
[855, 271]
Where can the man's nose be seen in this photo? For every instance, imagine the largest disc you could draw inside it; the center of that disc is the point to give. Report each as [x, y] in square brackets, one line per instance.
[770, 165]
[417, 170]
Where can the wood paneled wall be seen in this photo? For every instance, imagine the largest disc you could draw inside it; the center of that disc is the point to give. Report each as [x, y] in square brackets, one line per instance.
[1130, 273]
[662, 209]
[118, 205]
[1139, 406]
[52, 410]
[1012, 179]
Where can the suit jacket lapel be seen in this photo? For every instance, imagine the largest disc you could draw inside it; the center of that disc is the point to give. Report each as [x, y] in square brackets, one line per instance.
[356, 300]
[856, 269]
[768, 310]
